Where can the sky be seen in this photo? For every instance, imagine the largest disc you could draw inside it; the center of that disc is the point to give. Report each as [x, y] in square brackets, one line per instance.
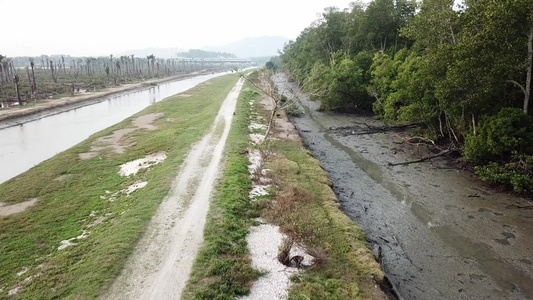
[103, 27]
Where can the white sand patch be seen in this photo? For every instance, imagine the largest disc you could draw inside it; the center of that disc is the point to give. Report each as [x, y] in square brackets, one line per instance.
[63, 177]
[133, 167]
[256, 126]
[256, 138]
[23, 271]
[264, 242]
[256, 160]
[7, 210]
[98, 220]
[14, 291]
[132, 188]
[259, 190]
[70, 242]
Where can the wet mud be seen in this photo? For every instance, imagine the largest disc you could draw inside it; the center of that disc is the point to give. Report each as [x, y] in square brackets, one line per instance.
[444, 234]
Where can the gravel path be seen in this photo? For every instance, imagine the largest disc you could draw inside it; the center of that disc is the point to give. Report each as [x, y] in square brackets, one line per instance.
[161, 264]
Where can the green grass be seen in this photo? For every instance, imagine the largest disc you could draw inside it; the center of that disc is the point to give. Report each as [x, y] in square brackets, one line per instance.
[30, 239]
[306, 209]
[222, 269]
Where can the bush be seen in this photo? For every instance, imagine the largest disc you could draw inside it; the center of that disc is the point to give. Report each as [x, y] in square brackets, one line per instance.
[517, 174]
[499, 136]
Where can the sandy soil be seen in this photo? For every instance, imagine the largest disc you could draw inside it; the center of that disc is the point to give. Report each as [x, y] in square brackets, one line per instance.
[444, 234]
[7, 210]
[116, 140]
[160, 265]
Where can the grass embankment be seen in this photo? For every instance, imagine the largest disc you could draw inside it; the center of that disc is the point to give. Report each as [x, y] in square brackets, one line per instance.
[222, 268]
[306, 209]
[74, 195]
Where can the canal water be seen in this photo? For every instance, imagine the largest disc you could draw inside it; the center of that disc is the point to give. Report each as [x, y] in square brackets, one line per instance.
[26, 145]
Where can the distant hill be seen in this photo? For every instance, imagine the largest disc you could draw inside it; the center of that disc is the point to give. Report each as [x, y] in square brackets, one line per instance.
[157, 52]
[253, 47]
[197, 53]
[264, 46]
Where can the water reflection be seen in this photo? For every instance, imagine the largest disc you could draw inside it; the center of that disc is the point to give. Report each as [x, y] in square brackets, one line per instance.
[24, 146]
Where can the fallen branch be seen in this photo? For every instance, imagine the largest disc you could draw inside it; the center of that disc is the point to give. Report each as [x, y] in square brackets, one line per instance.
[357, 130]
[422, 159]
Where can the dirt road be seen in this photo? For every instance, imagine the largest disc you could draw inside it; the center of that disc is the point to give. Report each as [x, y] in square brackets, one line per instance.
[161, 264]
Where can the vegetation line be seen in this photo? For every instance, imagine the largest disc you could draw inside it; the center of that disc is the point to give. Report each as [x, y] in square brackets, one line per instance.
[305, 209]
[86, 207]
[427, 62]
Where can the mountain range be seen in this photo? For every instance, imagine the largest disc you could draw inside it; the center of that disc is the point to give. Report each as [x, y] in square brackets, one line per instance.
[263, 46]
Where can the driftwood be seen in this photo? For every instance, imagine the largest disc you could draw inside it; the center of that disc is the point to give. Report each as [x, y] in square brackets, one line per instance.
[357, 130]
[444, 152]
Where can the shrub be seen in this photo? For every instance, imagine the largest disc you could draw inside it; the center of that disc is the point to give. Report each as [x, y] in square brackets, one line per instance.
[517, 174]
[499, 136]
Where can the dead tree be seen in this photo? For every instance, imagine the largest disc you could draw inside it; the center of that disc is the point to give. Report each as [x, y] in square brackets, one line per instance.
[17, 91]
[34, 86]
[262, 81]
[52, 70]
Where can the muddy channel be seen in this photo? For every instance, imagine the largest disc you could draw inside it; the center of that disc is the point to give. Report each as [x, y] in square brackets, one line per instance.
[444, 233]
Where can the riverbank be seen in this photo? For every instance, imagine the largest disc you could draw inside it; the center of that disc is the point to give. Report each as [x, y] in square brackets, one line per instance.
[292, 195]
[89, 205]
[423, 216]
[16, 115]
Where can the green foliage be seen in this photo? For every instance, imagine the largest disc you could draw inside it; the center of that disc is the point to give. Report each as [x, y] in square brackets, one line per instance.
[517, 173]
[498, 136]
[339, 86]
[432, 63]
[271, 66]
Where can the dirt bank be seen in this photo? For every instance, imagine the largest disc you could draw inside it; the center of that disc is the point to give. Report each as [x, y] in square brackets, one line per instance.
[161, 263]
[43, 108]
[444, 234]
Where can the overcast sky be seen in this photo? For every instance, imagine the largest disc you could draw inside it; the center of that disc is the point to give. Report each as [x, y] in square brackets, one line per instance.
[102, 27]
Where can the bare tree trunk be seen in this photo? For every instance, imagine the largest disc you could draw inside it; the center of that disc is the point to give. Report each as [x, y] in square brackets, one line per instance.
[111, 64]
[34, 88]
[16, 82]
[527, 91]
[29, 79]
[2, 81]
[53, 71]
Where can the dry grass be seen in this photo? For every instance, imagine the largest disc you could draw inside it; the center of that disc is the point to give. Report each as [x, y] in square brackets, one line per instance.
[307, 211]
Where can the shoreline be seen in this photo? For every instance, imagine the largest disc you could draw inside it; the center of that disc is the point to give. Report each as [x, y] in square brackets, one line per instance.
[44, 108]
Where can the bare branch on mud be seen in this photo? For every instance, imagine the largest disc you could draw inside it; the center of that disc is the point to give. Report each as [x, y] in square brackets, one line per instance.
[356, 129]
[429, 157]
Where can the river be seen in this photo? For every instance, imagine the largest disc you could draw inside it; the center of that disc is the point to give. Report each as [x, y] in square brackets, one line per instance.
[444, 233]
[25, 145]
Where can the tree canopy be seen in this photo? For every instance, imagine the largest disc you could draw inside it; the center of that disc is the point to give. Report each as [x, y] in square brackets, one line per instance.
[451, 66]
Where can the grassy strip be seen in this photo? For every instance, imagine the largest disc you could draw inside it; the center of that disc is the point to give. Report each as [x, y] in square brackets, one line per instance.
[71, 196]
[222, 269]
[306, 209]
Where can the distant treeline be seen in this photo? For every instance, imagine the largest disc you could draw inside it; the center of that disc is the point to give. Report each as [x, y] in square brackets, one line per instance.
[462, 70]
[197, 53]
